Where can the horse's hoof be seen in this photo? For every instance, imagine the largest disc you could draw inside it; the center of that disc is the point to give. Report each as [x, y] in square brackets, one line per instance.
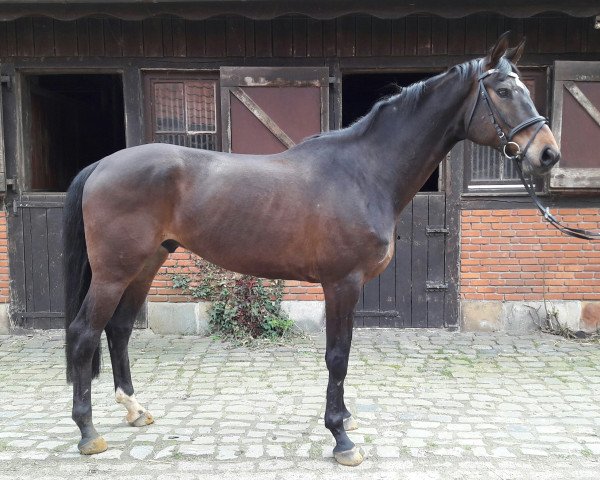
[90, 447]
[350, 458]
[350, 423]
[144, 419]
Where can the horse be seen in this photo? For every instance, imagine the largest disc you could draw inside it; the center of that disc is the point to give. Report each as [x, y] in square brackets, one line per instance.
[324, 211]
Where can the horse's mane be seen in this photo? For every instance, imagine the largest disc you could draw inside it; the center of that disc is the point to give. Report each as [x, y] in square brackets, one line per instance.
[407, 98]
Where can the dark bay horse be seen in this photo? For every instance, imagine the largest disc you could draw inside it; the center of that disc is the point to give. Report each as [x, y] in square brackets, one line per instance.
[324, 211]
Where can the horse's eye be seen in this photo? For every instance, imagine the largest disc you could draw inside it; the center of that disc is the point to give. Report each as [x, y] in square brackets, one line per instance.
[503, 92]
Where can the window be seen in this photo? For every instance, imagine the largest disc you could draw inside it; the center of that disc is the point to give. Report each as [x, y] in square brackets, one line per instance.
[183, 110]
[487, 169]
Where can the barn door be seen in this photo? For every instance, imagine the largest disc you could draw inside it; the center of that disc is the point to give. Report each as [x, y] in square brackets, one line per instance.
[35, 226]
[415, 288]
[576, 125]
[268, 110]
[60, 137]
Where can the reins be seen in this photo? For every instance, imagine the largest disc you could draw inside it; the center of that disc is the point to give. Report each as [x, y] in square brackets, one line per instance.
[506, 141]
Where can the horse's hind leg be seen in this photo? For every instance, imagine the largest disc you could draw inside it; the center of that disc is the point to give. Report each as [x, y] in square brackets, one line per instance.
[340, 300]
[100, 302]
[118, 331]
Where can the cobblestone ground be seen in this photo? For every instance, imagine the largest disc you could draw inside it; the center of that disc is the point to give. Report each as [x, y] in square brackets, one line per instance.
[430, 405]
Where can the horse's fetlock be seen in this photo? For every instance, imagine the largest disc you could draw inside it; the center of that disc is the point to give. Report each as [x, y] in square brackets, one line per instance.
[81, 414]
[333, 421]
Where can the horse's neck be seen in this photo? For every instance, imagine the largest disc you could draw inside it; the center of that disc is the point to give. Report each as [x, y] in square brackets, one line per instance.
[410, 143]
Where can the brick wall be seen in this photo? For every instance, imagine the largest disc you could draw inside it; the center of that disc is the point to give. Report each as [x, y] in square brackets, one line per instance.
[182, 261]
[4, 274]
[504, 254]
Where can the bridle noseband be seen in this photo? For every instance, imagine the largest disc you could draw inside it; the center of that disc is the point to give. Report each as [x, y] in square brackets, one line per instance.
[519, 156]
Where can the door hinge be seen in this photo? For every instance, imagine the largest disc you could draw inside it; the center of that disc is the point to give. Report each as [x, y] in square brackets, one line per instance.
[435, 286]
[437, 230]
[6, 80]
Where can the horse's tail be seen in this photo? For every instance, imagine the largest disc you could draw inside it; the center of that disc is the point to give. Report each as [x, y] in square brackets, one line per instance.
[76, 264]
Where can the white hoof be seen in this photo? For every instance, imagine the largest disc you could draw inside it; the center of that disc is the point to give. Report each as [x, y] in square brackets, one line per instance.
[350, 423]
[350, 458]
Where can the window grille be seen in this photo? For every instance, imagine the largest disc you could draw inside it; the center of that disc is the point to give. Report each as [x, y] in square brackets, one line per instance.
[184, 112]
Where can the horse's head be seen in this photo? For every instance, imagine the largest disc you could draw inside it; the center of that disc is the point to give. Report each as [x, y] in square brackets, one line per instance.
[502, 114]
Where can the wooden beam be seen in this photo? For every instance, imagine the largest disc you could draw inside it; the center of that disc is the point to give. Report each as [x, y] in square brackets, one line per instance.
[583, 101]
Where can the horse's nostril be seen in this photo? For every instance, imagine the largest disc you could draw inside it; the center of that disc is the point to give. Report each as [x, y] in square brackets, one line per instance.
[549, 157]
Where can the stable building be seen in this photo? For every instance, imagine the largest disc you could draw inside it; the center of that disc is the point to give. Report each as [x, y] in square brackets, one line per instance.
[83, 79]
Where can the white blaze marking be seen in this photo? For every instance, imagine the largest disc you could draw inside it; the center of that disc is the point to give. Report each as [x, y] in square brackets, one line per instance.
[521, 84]
[134, 409]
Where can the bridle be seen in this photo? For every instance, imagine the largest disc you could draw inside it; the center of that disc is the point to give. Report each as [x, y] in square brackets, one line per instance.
[494, 113]
[519, 156]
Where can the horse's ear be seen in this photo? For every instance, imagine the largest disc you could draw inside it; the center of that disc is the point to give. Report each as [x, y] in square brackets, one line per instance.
[514, 54]
[497, 51]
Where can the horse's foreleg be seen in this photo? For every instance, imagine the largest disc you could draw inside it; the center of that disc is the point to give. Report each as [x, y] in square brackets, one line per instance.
[118, 332]
[340, 300]
[85, 332]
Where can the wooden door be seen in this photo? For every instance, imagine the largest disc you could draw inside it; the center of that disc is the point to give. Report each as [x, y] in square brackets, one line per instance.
[415, 289]
[576, 125]
[35, 225]
[268, 110]
[35, 217]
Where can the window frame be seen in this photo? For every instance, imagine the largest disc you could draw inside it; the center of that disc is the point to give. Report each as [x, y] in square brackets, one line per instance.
[166, 76]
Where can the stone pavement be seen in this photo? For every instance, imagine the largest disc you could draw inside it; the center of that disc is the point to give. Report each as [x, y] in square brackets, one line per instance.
[430, 405]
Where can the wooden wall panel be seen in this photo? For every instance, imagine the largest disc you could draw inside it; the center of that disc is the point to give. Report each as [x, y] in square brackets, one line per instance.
[263, 40]
[96, 36]
[362, 36]
[283, 37]
[83, 37]
[345, 38]
[439, 36]
[65, 39]
[24, 29]
[314, 38]
[249, 37]
[195, 36]
[424, 35]
[381, 42]
[475, 35]
[292, 37]
[133, 39]
[43, 37]
[113, 37]
[153, 37]
[216, 40]
[167, 37]
[179, 37]
[235, 37]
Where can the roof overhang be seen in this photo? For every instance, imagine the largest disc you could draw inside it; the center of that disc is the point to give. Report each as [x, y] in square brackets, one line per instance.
[267, 9]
